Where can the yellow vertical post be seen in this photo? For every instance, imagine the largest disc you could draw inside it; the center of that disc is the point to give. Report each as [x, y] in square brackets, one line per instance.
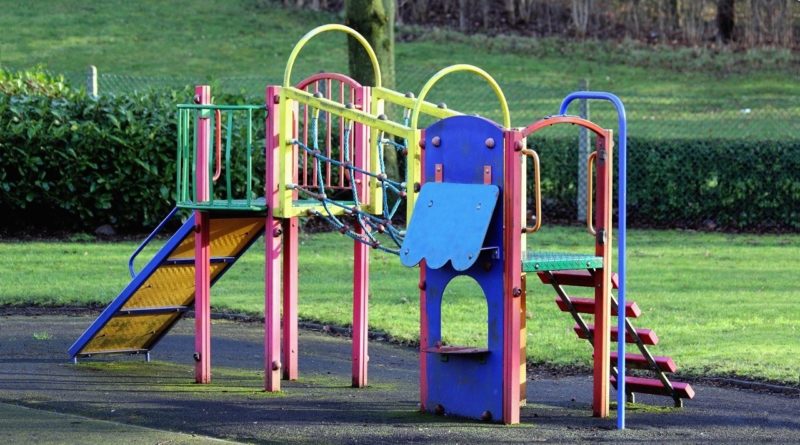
[374, 190]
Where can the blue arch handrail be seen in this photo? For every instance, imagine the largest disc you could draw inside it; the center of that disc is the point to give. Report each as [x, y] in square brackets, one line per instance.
[621, 204]
[149, 238]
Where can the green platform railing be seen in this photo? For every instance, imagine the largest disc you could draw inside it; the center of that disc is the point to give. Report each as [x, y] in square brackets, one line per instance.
[232, 125]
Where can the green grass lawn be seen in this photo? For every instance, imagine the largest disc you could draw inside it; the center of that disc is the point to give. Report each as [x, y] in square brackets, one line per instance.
[721, 304]
[247, 42]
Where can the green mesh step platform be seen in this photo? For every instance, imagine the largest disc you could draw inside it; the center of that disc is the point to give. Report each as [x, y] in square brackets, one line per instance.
[546, 261]
[252, 205]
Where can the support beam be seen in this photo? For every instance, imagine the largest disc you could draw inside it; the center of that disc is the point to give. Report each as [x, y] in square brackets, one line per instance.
[361, 151]
[512, 278]
[360, 312]
[290, 253]
[202, 249]
[602, 295]
[272, 241]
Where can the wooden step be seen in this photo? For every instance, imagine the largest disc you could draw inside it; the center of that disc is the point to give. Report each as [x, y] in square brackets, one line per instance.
[456, 350]
[586, 306]
[190, 261]
[648, 336]
[638, 361]
[581, 278]
[654, 386]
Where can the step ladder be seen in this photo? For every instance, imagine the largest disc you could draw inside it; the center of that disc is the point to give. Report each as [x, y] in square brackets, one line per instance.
[158, 296]
[560, 270]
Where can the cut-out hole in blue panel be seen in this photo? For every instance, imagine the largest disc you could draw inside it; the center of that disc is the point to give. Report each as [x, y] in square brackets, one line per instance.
[465, 327]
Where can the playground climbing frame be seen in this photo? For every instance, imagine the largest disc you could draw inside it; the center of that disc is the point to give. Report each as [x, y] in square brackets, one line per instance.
[465, 175]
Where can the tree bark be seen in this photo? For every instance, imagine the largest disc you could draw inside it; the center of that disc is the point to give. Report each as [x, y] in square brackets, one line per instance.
[581, 10]
[463, 15]
[374, 19]
[485, 14]
[725, 20]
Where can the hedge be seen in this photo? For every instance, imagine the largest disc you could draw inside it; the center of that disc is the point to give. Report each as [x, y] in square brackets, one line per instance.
[730, 184]
[72, 162]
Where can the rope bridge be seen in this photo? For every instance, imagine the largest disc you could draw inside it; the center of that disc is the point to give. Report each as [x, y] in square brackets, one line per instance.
[368, 223]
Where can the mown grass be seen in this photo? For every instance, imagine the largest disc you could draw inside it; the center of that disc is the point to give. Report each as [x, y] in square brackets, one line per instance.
[247, 42]
[721, 304]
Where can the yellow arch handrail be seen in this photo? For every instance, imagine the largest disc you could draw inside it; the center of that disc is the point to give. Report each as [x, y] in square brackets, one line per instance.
[287, 74]
[459, 68]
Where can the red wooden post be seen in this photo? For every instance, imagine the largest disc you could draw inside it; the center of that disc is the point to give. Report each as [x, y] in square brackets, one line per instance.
[272, 239]
[424, 338]
[361, 250]
[202, 263]
[602, 311]
[424, 335]
[512, 276]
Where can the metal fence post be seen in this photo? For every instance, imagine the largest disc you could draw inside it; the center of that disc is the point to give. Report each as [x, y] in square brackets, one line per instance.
[91, 81]
[583, 153]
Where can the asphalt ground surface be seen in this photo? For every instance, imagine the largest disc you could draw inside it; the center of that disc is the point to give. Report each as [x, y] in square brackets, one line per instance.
[320, 407]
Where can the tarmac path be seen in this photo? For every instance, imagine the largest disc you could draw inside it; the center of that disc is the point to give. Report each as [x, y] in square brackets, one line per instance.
[320, 407]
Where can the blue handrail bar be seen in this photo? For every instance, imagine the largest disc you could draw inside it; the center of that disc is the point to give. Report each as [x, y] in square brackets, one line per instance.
[621, 260]
[147, 240]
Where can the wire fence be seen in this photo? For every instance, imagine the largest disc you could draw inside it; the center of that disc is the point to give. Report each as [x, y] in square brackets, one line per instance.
[671, 118]
[669, 114]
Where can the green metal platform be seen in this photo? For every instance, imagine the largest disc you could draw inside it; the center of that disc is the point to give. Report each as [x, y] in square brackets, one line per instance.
[252, 205]
[547, 261]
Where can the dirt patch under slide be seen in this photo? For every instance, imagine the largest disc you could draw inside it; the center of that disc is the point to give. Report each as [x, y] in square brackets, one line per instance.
[321, 407]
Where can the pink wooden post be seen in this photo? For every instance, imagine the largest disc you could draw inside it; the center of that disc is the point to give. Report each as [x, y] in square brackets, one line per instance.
[512, 277]
[202, 263]
[361, 250]
[290, 243]
[272, 239]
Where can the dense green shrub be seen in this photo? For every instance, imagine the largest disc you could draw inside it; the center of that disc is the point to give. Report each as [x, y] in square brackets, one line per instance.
[738, 184]
[72, 162]
[34, 81]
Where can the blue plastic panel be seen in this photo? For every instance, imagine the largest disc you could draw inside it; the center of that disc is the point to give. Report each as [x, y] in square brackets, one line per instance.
[449, 224]
[469, 385]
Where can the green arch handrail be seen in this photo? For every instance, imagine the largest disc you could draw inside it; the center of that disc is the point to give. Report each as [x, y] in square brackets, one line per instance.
[376, 70]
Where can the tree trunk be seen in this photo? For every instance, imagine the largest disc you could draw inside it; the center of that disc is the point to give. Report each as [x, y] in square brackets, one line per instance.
[463, 15]
[581, 10]
[725, 20]
[525, 11]
[485, 14]
[690, 20]
[511, 15]
[374, 19]
[634, 17]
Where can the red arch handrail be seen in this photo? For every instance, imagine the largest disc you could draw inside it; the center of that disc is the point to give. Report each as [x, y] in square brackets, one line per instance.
[554, 120]
[352, 83]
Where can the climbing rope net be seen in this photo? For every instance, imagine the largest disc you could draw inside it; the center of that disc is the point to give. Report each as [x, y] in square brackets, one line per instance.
[365, 226]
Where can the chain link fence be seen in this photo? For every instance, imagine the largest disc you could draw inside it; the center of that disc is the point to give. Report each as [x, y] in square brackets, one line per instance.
[667, 114]
[679, 144]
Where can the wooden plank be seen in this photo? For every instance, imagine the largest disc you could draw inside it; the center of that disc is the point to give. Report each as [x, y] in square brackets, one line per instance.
[586, 306]
[639, 361]
[655, 387]
[648, 336]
